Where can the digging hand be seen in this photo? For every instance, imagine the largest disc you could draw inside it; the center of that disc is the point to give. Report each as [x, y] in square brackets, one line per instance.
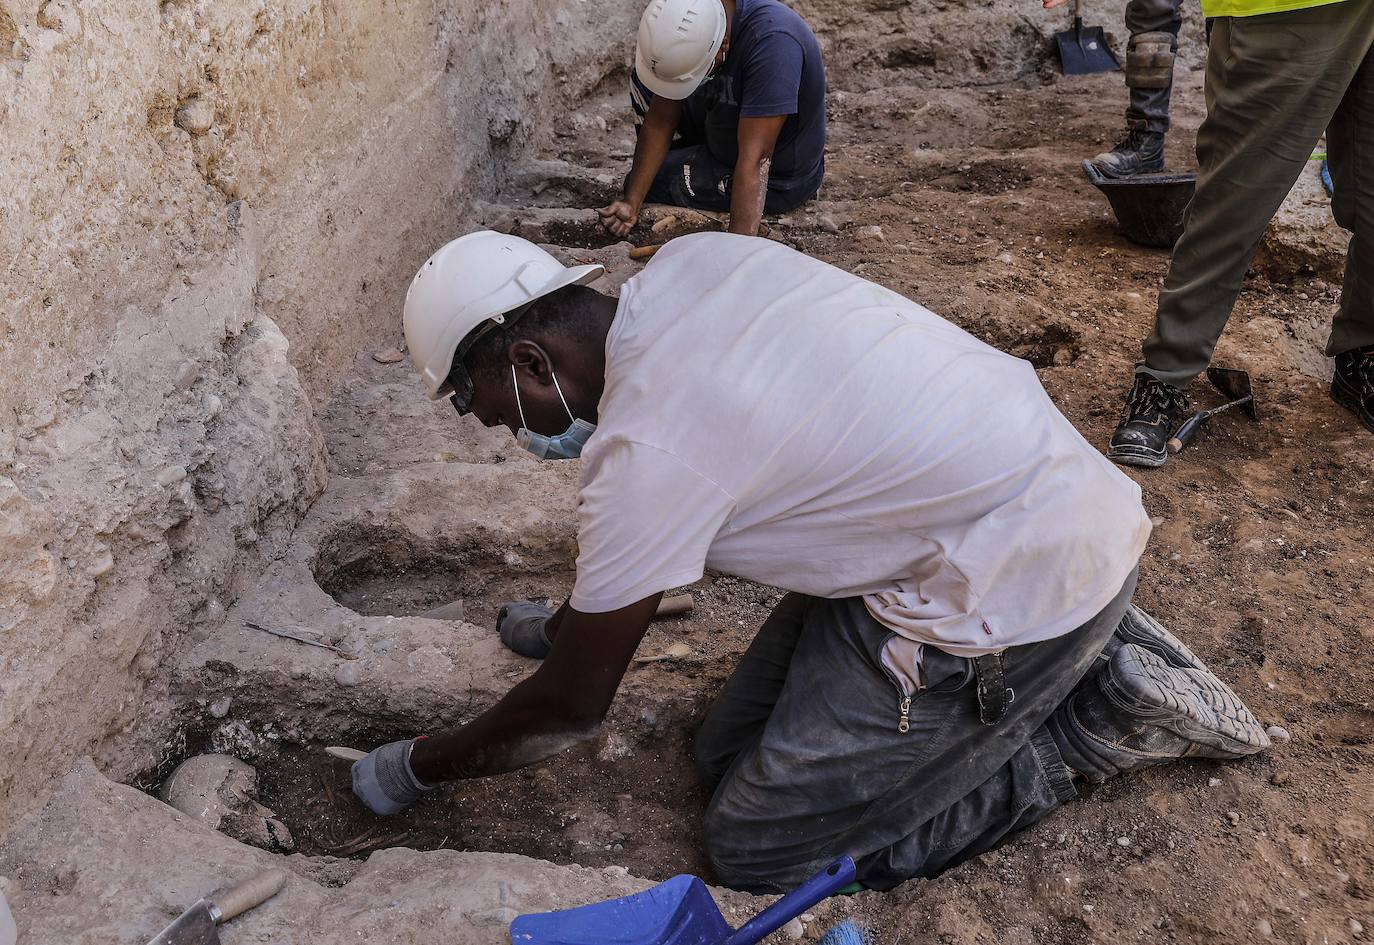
[521, 625]
[619, 218]
[383, 781]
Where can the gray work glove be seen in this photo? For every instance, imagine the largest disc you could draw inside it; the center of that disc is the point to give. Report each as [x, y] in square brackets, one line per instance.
[383, 779]
[521, 625]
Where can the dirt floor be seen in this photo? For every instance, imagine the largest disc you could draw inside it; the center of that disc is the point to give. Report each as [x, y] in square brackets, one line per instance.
[1259, 559]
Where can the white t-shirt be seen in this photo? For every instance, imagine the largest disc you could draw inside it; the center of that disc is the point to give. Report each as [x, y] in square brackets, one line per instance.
[773, 417]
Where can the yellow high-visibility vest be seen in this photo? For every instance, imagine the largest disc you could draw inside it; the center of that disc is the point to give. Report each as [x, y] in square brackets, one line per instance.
[1212, 8]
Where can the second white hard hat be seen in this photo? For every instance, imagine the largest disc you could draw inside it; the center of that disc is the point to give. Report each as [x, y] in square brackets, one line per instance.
[677, 45]
[471, 280]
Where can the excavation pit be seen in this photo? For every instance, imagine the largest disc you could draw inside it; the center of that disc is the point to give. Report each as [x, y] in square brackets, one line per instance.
[629, 798]
[389, 572]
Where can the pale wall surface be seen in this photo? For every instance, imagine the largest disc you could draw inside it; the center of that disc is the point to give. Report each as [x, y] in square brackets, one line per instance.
[186, 188]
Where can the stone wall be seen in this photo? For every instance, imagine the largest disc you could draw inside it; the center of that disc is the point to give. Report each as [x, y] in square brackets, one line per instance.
[187, 187]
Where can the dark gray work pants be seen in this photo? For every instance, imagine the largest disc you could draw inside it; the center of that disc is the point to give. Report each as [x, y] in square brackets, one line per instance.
[1148, 109]
[807, 763]
[1275, 82]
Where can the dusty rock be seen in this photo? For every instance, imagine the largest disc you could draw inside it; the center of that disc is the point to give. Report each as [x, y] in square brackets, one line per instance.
[793, 930]
[1356, 927]
[1278, 734]
[1303, 236]
[388, 356]
[1264, 928]
[220, 707]
[195, 116]
[349, 674]
[871, 232]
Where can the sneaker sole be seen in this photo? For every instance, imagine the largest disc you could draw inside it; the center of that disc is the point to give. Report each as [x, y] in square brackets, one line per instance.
[1134, 456]
[1139, 628]
[1193, 704]
[1351, 401]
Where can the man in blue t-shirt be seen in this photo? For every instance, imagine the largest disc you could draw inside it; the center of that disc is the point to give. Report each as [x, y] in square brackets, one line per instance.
[729, 100]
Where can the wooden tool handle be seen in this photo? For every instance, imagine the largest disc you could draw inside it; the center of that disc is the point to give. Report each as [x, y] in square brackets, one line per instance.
[1185, 433]
[670, 606]
[644, 252]
[236, 900]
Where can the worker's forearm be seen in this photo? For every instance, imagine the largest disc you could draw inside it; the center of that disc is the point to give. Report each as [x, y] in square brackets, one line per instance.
[749, 190]
[650, 150]
[524, 727]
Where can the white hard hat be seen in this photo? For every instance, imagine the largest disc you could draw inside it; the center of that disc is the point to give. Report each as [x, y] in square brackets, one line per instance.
[678, 42]
[474, 279]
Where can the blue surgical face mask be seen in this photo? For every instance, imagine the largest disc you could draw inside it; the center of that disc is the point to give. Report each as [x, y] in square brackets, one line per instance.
[566, 445]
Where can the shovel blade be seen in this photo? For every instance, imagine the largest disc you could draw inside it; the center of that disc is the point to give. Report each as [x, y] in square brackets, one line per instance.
[677, 912]
[1083, 50]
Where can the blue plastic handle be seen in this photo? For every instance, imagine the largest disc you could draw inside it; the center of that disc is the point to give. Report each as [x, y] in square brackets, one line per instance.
[823, 885]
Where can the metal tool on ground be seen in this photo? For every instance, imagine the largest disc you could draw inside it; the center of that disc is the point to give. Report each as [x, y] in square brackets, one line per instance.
[1233, 384]
[345, 652]
[199, 925]
[677, 912]
[1083, 50]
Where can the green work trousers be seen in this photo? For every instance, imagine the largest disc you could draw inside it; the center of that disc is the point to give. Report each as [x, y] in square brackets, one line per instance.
[1274, 83]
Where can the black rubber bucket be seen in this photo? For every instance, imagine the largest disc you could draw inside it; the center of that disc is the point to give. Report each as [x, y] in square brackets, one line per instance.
[1149, 207]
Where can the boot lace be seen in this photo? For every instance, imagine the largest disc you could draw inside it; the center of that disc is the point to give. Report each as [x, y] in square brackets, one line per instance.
[1153, 401]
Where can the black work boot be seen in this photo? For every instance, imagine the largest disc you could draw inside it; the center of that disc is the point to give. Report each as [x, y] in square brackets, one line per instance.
[1154, 410]
[1139, 711]
[1140, 152]
[1142, 630]
[1353, 384]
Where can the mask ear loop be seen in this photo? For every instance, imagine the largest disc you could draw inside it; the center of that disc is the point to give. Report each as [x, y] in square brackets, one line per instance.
[516, 384]
[560, 394]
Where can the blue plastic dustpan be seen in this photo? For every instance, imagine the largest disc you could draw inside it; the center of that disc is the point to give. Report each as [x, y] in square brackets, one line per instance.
[677, 912]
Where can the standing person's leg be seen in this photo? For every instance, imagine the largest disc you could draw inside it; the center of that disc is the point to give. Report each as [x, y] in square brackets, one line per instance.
[1154, 26]
[1350, 141]
[1273, 83]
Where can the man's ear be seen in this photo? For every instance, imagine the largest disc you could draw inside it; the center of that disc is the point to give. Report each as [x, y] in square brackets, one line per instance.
[531, 360]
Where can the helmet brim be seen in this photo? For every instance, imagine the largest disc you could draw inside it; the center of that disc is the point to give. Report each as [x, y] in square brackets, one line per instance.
[675, 89]
[572, 275]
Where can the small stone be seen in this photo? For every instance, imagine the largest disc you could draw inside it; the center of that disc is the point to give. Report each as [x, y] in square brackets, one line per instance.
[1123, 841]
[827, 222]
[1214, 782]
[1278, 734]
[1263, 927]
[808, 917]
[170, 475]
[1062, 356]
[195, 116]
[1280, 778]
[388, 356]
[1005, 258]
[616, 871]
[220, 707]
[1088, 907]
[873, 232]
[1233, 817]
[1356, 927]
[349, 674]
[794, 929]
